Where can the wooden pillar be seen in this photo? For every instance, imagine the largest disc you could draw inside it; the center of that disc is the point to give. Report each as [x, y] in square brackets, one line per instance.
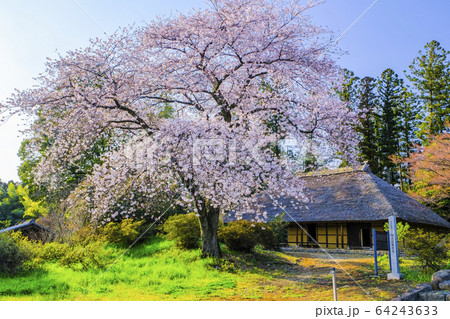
[372, 234]
[326, 235]
[302, 235]
[337, 235]
[342, 235]
[296, 235]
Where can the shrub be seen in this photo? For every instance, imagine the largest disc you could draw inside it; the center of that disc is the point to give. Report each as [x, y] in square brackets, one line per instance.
[84, 236]
[243, 235]
[80, 257]
[265, 236]
[184, 229]
[124, 232]
[13, 256]
[279, 229]
[53, 251]
[239, 235]
[402, 233]
[77, 256]
[429, 247]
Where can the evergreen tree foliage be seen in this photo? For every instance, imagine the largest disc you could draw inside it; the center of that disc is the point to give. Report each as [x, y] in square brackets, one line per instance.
[369, 123]
[430, 75]
[347, 92]
[407, 135]
[389, 88]
[386, 123]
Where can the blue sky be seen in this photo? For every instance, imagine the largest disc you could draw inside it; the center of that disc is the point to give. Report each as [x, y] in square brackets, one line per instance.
[390, 34]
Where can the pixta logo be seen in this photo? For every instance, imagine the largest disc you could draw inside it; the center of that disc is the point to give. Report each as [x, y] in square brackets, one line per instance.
[337, 311]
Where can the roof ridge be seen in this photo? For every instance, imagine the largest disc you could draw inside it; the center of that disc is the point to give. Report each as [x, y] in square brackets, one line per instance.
[336, 171]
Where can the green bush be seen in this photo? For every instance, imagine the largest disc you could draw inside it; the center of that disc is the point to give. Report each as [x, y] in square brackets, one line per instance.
[402, 232]
[53, 251]
[77, 256]
[80, 257]
[430, 248]
[279, 229]
[184, 229]
[124, 233]
[243, 235]
[240, 235]
[265, 236]
[13, 256]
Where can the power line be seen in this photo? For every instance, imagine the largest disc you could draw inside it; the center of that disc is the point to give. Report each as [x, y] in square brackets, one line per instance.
[91, 17]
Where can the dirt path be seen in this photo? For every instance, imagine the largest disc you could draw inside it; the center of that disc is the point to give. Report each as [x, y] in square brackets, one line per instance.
[306, 276]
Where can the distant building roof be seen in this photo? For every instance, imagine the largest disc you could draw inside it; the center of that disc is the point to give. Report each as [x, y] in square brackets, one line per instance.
[25, 225]
[349, 195]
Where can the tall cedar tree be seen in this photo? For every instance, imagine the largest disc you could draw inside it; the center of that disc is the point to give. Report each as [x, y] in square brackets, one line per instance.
[389, 88]
[386, 126]
[369, 122]
[430, 75]
[407, 112]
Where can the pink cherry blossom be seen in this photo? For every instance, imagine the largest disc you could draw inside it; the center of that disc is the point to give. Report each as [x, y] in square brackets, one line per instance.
[224, 73]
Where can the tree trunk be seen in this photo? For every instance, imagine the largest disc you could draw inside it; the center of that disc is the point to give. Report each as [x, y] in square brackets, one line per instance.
[209, 221]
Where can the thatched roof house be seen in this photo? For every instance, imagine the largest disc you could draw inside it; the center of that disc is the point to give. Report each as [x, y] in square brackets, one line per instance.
[344, 206]
[30, 229]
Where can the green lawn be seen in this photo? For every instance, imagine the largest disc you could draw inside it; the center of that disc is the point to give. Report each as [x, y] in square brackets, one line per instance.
[156, 270]
[153, 270]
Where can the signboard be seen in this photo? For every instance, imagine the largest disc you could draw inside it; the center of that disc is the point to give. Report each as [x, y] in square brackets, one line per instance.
[393, 250]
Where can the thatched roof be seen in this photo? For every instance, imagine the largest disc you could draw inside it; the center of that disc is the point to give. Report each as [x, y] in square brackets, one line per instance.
[350, 195]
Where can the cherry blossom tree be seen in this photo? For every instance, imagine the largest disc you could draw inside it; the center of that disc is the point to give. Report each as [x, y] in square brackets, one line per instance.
[186, 103]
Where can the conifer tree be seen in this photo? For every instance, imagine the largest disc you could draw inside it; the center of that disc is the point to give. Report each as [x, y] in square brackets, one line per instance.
[407, 112]
[369, 121]
[386, 125]
[430, 75]
[348, 90]
[389, 89]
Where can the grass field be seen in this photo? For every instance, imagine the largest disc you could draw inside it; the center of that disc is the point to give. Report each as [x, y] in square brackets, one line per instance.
[156, 270]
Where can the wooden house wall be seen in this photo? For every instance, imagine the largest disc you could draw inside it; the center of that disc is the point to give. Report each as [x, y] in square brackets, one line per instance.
[328, 235]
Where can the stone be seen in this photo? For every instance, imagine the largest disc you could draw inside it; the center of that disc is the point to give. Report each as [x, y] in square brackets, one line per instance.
[395, 276]
[441, 275]
[433, 296]
[412, 295]
[445, 285]
[435, 284]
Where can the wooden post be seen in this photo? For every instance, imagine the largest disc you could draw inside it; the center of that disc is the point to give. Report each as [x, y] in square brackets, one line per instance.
[389, 252]
[302, 235]
[296, 235]
[337, 235]
[342, 235]
[374, 240]
[333, 273]
[326, 235]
